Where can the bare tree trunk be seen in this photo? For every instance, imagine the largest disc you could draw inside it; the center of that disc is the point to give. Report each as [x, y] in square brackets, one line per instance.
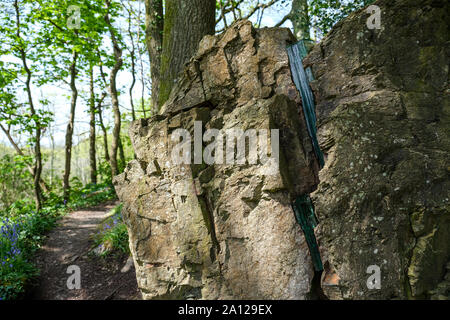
[132, 51]
[185, 24]
[102, 126]
[121, 155]
[142, 97]
[70, 125]
[14, 144]
[37, 170]
[92, 136]
[141, 64]
[52, 156]
[21, 153]
[154, 26]
[100, 112]
[133, 113]
[113, 92]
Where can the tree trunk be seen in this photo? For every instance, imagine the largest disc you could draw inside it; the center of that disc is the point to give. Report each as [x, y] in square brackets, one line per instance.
[102, 125]
[37, 170]
[299, 17]
[92, 137]
[185, 24]
[100, 112]
[121, 155]
[133, 82]
[52, 155]
[70, 125]
[21, 153]
[113, 92]
[154, 26]
[133, 65]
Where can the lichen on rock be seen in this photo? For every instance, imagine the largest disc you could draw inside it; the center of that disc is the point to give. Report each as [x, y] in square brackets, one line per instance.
[222, 231]
[227, 231]
[383, 123]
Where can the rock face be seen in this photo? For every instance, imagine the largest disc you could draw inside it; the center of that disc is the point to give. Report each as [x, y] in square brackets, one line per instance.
[222, 231]
[384, 123]
[212, 230]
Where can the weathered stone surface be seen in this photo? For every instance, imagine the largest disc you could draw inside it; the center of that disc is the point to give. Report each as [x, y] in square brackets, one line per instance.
[222, 231]
[384, 123]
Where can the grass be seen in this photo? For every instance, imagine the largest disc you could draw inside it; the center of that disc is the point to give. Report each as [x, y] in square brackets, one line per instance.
[22, 231]
[112, 235]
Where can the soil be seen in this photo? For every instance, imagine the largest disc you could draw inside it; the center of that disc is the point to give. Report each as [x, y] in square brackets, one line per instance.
[71, 243]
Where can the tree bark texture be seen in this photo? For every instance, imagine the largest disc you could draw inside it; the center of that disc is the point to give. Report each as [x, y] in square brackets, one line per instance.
[154, 26]
[185, 24]
[299, 17]
[92, 133]
[114, 97]
[70, 125]
[37, 170]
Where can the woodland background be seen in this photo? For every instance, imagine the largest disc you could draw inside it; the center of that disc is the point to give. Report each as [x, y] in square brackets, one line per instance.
[74, 74]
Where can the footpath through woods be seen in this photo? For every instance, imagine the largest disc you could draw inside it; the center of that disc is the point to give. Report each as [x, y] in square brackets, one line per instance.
[70, 244]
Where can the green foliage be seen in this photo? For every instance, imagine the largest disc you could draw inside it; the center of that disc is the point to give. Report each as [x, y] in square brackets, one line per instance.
[90, 195]
[22, 231]
[104, 171]
[322, 14]
[326, 13]
[16, 41]
[81, 196]
[58, 41]
[113, 234]
[15, 179]
[49, 44]
[37, 32]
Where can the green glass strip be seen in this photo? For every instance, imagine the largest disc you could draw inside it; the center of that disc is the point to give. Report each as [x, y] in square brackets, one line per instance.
[301, 80]
[306, 218]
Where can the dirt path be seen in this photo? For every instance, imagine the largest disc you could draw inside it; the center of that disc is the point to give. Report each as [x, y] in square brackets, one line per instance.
[69, 244]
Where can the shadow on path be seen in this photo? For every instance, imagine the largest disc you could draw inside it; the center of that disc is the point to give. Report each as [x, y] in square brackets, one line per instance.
[69, 244]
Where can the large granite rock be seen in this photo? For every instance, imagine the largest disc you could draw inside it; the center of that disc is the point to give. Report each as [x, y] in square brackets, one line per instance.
[228, 231]
[222, 231]
[384, 123]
